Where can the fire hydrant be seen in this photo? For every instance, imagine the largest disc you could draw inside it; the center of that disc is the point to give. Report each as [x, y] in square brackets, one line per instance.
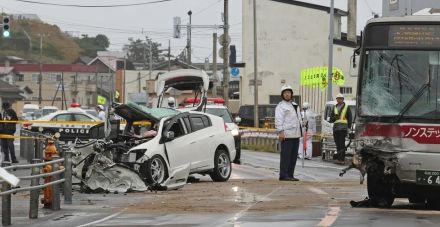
[50, 151]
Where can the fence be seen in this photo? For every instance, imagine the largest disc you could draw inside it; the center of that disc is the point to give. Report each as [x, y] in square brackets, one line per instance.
[35, 149]
[266, 138]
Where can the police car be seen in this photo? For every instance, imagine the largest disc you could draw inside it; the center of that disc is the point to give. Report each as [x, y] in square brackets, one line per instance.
[64, 123]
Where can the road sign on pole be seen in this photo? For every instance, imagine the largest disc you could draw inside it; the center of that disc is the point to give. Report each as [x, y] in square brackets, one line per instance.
[235, 71]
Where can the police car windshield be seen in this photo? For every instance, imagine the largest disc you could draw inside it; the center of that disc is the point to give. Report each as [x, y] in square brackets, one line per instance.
[223, 113]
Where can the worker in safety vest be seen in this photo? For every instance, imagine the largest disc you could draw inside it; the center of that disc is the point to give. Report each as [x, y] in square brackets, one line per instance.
[341, 119]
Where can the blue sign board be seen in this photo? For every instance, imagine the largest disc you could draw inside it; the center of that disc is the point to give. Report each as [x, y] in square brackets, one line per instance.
[235, 71]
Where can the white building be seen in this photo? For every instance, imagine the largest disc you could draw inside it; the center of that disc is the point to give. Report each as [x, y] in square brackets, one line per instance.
[292, 36]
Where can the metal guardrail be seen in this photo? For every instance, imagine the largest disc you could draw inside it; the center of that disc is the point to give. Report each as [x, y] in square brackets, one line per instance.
[35, 185]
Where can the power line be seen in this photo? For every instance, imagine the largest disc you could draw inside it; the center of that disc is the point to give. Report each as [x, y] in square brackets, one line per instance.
[94, 6]
[369, 7]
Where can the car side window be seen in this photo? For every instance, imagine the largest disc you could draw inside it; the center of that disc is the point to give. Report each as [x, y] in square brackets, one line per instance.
[206, 121]
[197, 123]
[62, 117]
[177, 128]
[82, 117]
[187, 123]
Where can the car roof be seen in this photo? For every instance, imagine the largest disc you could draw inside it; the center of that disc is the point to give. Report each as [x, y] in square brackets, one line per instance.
[216, 107]
[51, 115]
[50, 107]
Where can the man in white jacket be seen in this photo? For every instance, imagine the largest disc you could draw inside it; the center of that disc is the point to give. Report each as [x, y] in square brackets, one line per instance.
[308, 117]
[288, 125]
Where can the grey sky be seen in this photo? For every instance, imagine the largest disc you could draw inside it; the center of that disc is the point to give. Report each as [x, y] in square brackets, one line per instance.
[156, 20]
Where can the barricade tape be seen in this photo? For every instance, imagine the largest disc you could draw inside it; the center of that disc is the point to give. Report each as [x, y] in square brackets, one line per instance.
[70, 122]
[318, 134]
[6, 136]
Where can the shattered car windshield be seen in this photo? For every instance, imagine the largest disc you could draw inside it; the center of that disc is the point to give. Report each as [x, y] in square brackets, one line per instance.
[391, 78]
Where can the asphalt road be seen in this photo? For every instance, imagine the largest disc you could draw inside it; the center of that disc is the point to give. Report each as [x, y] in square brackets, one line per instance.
[252, 197]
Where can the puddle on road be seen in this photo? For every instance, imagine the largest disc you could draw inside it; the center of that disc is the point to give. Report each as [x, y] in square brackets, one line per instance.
[241, 195]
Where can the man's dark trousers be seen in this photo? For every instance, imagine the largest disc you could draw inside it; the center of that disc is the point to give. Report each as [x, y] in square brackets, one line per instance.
[289, 154]
[8, 148]
[339, 137]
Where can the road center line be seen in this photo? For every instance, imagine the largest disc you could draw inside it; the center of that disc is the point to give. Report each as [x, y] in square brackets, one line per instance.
[317, 191]
[330, 217]
[332, 213]
[104, 219]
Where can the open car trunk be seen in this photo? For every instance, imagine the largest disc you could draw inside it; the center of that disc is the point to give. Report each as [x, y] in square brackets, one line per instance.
[184, 79]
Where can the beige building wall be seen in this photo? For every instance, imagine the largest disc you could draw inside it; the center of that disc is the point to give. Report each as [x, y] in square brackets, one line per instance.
[290, 38]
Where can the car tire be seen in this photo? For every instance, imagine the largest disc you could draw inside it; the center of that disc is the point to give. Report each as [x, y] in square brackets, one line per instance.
[155, 170]
[222, 166]
[379, 191]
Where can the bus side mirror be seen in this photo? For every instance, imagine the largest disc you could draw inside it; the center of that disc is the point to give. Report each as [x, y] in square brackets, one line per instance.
[237, 120]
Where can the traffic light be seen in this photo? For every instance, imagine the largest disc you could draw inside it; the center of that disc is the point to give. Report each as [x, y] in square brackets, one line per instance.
[6, 26]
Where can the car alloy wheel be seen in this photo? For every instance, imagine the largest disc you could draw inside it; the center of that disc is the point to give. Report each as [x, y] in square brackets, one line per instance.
[222, 166]
[156, 170]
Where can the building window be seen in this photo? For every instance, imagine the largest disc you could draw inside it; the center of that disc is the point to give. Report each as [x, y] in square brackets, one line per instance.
[55, 77]
[35, 78]
[345, 90]
[19, 77]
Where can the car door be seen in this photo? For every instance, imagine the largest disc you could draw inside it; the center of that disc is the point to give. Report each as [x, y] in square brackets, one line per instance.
[205, 145]
[62, 126]
[179, 151]
[82, 130]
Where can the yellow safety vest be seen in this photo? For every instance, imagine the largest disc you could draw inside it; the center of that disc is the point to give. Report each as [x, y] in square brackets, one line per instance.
[342, 119]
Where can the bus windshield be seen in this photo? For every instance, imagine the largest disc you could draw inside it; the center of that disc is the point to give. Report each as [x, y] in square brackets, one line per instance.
[391, 80]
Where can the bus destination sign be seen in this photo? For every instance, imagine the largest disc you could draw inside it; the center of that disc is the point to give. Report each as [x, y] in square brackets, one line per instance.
[414, 36]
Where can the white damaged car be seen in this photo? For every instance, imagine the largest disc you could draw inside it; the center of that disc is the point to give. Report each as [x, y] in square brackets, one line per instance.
[177, 144]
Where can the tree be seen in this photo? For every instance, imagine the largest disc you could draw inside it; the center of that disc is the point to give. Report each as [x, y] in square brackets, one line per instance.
[91, 45]
[138, 51]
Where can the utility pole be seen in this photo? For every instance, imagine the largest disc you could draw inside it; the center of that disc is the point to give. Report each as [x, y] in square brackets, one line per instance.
[122, 99]
[214, 57]
[226, 53]
[189, 38]
[151, 56]
[256, 117]
[169, 55]
[40, 76]
[139, 82]
[330, 52]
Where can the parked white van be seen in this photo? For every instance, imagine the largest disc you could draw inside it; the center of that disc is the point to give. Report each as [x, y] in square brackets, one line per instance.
[49, 109]
[28, 110]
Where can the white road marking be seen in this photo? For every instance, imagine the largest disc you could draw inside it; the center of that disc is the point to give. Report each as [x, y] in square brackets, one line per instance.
[103, 219]
[332, 213]
[242, 212]
[317, 191]
[330, 217]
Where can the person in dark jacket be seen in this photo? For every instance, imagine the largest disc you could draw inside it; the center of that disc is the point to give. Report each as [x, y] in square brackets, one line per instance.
[341, 119]
[7, 144]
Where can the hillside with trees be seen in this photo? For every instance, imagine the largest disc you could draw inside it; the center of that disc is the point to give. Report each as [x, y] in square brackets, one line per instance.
[57, 46]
